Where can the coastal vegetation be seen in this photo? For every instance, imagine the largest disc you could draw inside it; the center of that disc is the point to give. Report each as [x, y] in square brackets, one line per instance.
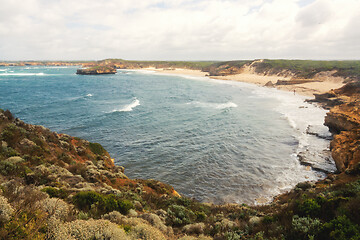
[299, 69]
[55, 186]
[309, 68]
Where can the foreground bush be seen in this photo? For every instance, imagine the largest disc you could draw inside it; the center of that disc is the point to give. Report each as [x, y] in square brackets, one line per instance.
[101, 203]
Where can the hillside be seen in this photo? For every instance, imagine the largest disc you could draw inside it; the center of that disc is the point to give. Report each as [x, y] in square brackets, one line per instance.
[297, 69]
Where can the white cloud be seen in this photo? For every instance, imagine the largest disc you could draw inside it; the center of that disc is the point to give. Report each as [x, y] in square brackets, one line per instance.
[179, 29]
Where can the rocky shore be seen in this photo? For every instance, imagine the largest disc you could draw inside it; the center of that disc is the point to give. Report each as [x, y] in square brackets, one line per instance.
[344, 121]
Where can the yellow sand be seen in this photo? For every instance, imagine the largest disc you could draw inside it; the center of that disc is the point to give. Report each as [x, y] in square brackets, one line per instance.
[324, 84]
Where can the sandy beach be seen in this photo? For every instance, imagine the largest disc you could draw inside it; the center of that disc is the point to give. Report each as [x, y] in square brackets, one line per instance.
[322, 85]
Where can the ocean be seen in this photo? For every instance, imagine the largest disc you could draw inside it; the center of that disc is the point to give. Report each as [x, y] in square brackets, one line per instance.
[215, 141]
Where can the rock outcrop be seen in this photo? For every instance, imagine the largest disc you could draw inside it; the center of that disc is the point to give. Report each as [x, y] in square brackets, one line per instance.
[96, 70]
[343, 119]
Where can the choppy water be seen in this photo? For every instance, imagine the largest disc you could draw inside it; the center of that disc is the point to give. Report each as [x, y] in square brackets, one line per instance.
[217, 141]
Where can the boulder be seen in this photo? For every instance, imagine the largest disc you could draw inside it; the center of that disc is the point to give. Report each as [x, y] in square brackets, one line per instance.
[269, 84]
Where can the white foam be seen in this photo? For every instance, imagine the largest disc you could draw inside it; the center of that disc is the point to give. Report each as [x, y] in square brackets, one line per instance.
[308, 122]
[89, 95]
[22, 74]
[129, 107]
[214, 105]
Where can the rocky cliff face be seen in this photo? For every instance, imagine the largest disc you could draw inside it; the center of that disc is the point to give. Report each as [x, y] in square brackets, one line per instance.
[344, 120]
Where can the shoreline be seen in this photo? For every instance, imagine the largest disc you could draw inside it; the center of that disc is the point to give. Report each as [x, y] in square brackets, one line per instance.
[324, 84]
[260, 81]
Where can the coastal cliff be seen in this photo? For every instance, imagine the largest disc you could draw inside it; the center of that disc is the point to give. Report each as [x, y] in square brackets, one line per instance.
[343, 119]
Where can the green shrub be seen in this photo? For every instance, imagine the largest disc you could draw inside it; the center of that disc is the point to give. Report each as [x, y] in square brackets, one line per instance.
[268, 219]
[84, 200]
[97, 148]
[8, 168]
[340, 228]
[54, 192]
[65, 158]
[9, 152]
[233, 235]
[101, 203]
[127, 228]
[309, 207]
[124, 206]
[12, 134]
[200, 216]
[305, 226]
[179, 215]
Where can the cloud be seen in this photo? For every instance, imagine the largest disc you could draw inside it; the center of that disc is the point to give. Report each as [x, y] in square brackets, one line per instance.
[179, 29]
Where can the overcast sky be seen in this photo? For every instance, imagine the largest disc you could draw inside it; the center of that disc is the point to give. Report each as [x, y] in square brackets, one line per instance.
[179, 29]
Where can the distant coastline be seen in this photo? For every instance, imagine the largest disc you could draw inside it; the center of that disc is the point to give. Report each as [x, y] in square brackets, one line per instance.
[325, 83]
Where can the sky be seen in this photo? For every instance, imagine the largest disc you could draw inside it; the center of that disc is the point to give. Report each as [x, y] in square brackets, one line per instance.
[179, 29]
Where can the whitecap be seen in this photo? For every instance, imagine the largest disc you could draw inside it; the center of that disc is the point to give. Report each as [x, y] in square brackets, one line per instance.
[129, 107]
[21, 74]
[89, 95]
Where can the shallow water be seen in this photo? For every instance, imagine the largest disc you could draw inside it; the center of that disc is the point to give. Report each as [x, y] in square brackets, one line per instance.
[216, 141]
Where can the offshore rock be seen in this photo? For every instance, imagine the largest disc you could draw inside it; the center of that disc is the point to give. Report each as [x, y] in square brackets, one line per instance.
[96, 70]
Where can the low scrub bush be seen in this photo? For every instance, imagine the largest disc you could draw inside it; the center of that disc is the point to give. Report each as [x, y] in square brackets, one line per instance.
[101, 203]
[304, 227]
[179, 215]
[309, 207]
[12, 134]
[97, 148]
[55, 193]
[340, 228]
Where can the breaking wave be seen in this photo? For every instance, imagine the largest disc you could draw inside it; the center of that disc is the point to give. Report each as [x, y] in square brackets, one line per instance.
[129, 107]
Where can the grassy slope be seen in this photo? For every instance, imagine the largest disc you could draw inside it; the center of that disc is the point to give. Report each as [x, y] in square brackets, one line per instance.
[308, 68]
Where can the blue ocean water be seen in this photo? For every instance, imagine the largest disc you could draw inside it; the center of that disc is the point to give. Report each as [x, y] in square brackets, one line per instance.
[216, 141]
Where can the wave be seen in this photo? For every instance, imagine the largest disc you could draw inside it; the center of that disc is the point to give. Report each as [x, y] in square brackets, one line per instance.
[89, 95]
[214, 105]
[129, 107]
[22, 74]
[307, 120]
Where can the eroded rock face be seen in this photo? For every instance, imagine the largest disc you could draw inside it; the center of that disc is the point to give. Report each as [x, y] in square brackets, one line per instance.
[345, 149]
[345, 117]
[344, 120]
